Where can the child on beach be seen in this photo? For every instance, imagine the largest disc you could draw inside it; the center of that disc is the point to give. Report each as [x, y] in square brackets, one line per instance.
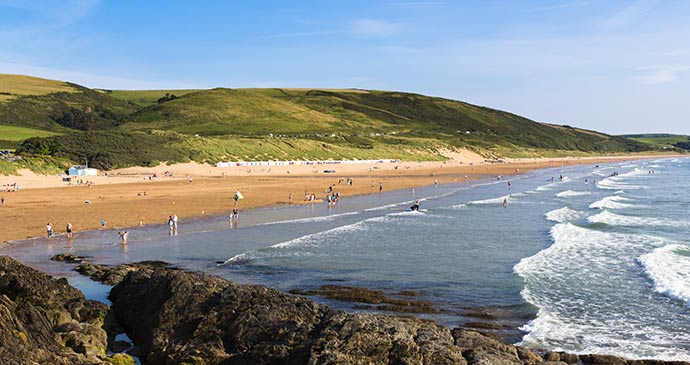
[49, 228]
[102, 223]
[171, 225]
[68, 230]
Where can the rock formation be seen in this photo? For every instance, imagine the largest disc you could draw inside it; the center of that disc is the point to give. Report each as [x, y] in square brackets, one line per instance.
[46, 321]
[177, 317]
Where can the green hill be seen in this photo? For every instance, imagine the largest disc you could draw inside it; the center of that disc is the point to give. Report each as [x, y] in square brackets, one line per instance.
[659, 140]
[57, 106]
[219, 124]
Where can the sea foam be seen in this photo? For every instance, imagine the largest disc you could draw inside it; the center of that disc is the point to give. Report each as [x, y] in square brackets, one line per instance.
[669, 269]
[613, 219]
[564, 215]
[612, 202]
[572, 193]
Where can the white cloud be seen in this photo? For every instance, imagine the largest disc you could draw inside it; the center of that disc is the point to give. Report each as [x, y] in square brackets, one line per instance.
[662, 74]
[374, 28]
[629, 14]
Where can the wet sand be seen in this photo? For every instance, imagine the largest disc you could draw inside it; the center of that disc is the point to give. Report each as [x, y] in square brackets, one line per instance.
[119, 198]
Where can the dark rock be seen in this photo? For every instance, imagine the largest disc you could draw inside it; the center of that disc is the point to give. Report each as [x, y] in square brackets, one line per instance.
[481, 348]
[111, 275]
[482, 325]
[46, 321]
[562, 357]
[180, 317]
[69, 258]
[602, 360]
[381, 300]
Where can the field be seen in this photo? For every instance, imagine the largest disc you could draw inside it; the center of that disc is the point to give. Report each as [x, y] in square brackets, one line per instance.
[145, 98]
[659, 140]
[14, 133]
[13, 86]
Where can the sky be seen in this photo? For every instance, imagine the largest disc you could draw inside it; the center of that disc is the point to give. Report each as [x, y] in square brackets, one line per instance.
[608, 65]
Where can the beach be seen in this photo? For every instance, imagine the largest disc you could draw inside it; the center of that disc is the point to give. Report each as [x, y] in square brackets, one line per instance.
[133, 196]
[584, 258]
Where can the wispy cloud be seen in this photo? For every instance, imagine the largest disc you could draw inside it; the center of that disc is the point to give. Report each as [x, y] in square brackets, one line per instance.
[662, 74]
[374, 28]
[628, 15]
[62, 11]
[417, 4]
[560, 6]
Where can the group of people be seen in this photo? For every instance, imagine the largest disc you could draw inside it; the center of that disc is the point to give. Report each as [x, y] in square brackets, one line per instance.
[11, 188]
[68, 230]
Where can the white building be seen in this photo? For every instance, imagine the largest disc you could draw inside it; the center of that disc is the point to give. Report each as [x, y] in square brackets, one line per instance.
[79, 170]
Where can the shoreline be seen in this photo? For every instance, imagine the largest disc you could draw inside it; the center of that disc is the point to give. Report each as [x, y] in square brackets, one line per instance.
[195, 191]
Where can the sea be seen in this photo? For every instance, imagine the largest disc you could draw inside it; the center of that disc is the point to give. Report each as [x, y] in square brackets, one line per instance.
[583, 259]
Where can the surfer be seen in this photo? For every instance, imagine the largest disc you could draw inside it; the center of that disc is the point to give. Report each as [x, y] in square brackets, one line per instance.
[415, 206]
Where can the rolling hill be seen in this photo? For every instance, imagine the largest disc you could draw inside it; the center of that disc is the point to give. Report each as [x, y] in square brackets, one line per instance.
[222, 123]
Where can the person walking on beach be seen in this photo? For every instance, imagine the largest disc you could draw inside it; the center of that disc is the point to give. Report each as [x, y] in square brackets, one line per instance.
[171, 225]
[2, 200]
[290, 198]
[234, 217]
[380, 186]
[49, 228]
[102, 223]
[237, 197]
[174, 218]
[68, 230]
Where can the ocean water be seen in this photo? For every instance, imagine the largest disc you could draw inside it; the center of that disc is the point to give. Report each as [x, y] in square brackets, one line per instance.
[598, 262]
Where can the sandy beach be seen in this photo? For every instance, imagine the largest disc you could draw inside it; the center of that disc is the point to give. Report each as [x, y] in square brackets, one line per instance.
[132, 196]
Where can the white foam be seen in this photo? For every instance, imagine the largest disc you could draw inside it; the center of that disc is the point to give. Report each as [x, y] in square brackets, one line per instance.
[459, 206]
[310, 240]
[613, 219]
[572, 193]
[612, 202]
[564, 215]
[669, 269]
[614, 184]
[383, 207]
[498, 200]
[577, 284]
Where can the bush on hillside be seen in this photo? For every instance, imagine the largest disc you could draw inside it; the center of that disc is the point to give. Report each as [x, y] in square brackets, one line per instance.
[107, 150]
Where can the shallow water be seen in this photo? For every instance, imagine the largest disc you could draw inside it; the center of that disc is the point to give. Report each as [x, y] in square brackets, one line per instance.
[568, 265]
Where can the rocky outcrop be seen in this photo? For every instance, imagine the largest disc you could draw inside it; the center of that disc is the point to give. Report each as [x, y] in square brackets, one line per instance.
[178, 317]
[112, 275]
[186, 318]
[46, 321]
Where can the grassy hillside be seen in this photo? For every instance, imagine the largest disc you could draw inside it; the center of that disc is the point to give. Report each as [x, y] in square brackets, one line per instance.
[55, 106]
[353, 113]
[145, 98]
[114, 128]
[14, 133]
[658, 140]
[15, 86]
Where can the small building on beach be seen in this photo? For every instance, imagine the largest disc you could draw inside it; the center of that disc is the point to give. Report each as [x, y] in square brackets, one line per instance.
[80, 170]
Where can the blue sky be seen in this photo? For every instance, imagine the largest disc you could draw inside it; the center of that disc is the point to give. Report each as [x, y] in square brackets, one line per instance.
[612, 66]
